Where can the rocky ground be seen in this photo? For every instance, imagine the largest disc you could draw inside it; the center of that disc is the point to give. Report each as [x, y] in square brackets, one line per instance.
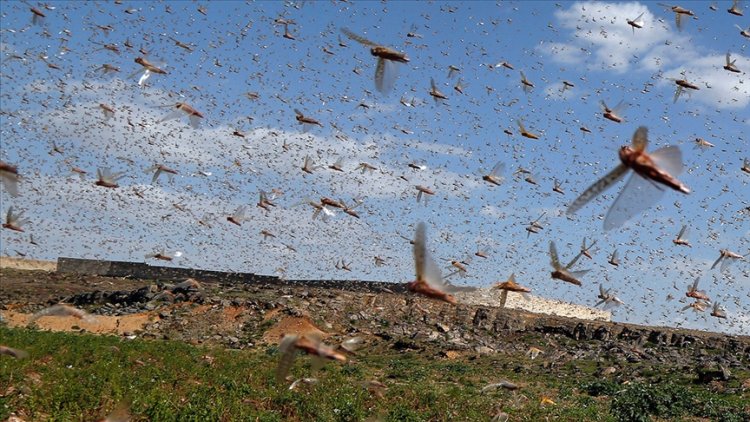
[244, 316]
[436, 361]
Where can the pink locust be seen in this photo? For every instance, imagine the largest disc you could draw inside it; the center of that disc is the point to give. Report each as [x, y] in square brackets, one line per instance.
[350, 210]
[460, 267]
[640, 193]
[265, 202]
[726, 257]
[683, 85]
[613, 260]
[505, 65]
[695, 293]
[703, 144]
[735, 10]
[62, 310]
[107, 179]
[14, 353]
[535, 226]
[678, 12]
[158, 169]
[423, 190]
[338, 165]
[524, 132]
[680, 239]
[564, 273]
[636, 23]
[308, 344]
[266, 234]
[459, 86]
[14, 221]
[37, 16]
[744, 32]
[730, 66]
[161, 255]
[148, 69]
[435, 93]
[331, 202]
[612, 113]
[385, 73]
[429, 281]
[309, 165]
[184, 109]
[107, 110]
[238, 217]
[305, 120]
[483, 253]
[698, 306]
[558, 188]
[510, 285]
[495, 176]
[342, 265]
[9, 178]
[586, 250]
[718, 312]
[608, 299]
[525, 83]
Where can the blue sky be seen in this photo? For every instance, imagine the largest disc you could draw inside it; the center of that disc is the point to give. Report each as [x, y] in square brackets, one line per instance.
[237, 48]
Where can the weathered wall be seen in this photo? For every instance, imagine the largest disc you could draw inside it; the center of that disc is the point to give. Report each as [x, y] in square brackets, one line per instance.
[26, 264]
[142, 270]
[535, 304]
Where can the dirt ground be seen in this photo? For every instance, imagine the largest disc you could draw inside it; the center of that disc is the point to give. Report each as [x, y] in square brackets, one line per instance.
[245, 315]
[20, 287]
[24, 291]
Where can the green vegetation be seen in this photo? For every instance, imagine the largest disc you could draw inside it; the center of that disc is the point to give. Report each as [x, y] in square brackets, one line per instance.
[83, 377]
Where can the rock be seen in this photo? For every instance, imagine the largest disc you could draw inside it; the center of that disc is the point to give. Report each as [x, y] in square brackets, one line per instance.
[706, 375]
[602, 333]
[403, 345]
[451, 354]
[484, 350]
[607, 371]
[481, 318]
[581, 332]
[188, 285]
[725, 373]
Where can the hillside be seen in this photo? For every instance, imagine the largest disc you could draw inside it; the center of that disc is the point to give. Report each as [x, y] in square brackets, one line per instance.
[578, 360]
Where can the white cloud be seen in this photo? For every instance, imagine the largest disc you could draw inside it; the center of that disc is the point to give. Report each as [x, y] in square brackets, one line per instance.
[601, 36]
[718, 86]
[601, 39]
[134, 133]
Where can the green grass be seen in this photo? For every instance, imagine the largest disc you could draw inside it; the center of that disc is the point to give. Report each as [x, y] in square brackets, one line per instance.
[83, 377]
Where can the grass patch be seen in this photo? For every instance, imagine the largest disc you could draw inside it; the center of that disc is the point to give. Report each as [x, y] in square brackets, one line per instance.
[71, 376]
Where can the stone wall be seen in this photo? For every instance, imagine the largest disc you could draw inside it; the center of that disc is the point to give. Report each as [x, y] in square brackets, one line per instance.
[141, 270]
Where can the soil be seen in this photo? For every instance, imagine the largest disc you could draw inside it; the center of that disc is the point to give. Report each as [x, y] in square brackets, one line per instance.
[245, 316]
